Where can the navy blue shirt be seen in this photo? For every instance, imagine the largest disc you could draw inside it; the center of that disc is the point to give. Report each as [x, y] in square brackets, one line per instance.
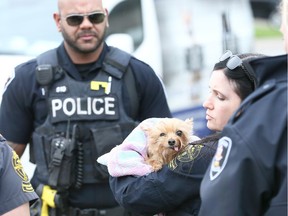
[23, 109]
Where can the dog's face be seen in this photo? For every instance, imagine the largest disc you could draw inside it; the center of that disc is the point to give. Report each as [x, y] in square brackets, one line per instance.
[167, 138]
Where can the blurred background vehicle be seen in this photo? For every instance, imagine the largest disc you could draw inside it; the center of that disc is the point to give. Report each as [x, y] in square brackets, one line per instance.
[266, 10]
[181, 40]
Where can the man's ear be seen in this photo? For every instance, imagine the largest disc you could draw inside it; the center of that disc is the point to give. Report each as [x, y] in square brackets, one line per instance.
[57, 19]
[107, 19]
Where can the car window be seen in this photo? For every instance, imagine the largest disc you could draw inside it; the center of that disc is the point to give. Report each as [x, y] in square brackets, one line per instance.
[130, 24]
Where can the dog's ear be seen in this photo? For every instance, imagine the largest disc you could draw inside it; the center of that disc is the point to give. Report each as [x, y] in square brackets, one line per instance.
[189, 121]
[146, 128]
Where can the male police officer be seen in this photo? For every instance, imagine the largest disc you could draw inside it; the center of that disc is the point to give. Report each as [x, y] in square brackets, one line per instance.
[76, 103]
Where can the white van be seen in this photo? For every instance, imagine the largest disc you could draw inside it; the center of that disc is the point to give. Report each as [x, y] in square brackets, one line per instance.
[181, 40]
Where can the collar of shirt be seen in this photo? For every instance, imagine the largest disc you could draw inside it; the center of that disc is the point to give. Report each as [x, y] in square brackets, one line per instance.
[71, 69]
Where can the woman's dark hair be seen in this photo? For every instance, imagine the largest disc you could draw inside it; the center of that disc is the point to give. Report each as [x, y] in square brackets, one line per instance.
[243, 80]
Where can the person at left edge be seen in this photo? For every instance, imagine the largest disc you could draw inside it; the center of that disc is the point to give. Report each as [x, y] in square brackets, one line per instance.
[80, 114]
[16, 192]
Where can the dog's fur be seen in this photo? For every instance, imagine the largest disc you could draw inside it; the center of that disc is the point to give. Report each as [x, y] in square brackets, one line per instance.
[165, 139]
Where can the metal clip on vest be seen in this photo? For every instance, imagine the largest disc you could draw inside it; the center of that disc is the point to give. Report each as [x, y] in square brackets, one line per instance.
[59, 145]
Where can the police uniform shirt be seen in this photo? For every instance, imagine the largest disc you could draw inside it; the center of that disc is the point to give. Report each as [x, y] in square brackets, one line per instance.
[23, 108]
[15, 188]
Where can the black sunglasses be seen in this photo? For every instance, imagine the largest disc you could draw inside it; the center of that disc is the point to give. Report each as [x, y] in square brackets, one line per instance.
[234, 62]
[77, 19]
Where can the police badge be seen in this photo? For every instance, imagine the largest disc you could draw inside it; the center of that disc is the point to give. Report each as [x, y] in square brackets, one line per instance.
[220, 158]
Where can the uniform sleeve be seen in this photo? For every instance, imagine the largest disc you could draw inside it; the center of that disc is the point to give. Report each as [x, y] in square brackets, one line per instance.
[153, 101]
[154, 193]
[165, 190]
[237, 183]
[231, 184]
[16, 115]
[14, 183]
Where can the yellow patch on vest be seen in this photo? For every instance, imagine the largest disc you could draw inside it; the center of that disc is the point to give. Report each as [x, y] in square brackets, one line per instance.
[96, 85]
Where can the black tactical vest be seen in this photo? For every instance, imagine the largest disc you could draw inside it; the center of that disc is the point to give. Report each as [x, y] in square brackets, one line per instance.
[86, 119]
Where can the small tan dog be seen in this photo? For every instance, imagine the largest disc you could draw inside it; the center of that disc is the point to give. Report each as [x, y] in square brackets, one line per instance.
[165, 139]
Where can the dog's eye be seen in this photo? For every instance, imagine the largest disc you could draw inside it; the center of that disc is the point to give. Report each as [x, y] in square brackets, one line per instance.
[162, 134]
[179, 133]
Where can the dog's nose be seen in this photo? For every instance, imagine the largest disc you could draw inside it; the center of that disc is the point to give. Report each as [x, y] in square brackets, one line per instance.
[171, 142]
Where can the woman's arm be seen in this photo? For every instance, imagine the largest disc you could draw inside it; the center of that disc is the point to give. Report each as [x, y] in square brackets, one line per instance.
[167, 189]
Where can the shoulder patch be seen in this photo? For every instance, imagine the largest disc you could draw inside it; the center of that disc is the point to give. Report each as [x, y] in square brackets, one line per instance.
[184, 161]
[26, 186]
[220, 158]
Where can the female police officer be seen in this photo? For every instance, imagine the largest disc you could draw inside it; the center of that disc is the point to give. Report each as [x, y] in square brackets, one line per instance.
[175, 189]
[255, 164]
